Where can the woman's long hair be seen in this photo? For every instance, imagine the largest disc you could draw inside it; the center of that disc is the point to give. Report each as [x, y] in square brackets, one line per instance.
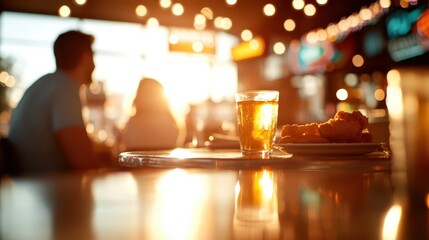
[151, 99]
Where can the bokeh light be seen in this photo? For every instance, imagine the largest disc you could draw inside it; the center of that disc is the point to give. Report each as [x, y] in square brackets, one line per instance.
[64, 11]
[358, 60]
[289, 25]
[141, 10]
[177, 9]
[342, 94]
[269, 10]
[279, 48]
[246, 35]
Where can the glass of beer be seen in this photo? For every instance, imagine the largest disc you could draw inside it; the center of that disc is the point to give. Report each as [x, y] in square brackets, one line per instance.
[257, 113]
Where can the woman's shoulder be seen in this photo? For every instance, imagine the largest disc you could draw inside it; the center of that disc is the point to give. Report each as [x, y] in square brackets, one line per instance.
[150, 122]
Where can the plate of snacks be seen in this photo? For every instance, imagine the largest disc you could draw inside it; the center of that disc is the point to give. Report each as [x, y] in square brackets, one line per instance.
[328, 148]
[344, 134]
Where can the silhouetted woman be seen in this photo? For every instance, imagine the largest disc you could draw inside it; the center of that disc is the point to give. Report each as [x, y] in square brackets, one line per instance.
[152, 125]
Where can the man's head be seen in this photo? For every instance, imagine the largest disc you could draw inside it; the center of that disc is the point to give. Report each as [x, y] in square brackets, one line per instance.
[73, 50]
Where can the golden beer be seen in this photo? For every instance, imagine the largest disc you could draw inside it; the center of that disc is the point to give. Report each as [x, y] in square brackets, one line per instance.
[257, 123]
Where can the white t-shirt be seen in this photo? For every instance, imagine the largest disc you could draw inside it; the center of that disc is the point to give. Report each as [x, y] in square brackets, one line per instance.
[48, 105]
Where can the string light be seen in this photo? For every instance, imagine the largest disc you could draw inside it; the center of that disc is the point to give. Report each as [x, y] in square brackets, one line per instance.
[64, 11]
[279, 48]
[199, 22]
[207, 12]
[352, 23]
[309, 10]
[298, 4]
[178, 9]
[322, 2]
[223, 23]
[141, 10]
[289, 25]
[385, 3]
[152, 22]
[165, 3]
[231, 2]
[333, 32]
[80, 2]
[269, 10]
[246, 35]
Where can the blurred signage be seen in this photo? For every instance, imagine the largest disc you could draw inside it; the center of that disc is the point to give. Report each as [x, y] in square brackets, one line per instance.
[191, 41]
[401, 22]
[373, 43]
[310, 58]
[407, 47]
[423, 24]
[249, 49]
[414, 41]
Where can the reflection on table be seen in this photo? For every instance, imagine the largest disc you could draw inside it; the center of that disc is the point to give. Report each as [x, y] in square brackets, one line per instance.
[268, 202]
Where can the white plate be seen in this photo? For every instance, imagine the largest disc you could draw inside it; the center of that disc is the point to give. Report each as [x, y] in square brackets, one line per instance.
[328, 148]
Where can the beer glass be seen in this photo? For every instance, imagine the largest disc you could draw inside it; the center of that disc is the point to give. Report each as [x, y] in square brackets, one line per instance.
[257, 113]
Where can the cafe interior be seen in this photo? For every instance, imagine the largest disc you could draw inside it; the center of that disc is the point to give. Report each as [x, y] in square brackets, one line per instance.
[322, 56]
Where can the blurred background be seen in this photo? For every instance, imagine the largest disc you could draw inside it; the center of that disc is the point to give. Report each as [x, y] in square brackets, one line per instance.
[322, 55]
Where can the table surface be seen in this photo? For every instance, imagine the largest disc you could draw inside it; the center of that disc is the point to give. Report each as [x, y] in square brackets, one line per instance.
[302, 198]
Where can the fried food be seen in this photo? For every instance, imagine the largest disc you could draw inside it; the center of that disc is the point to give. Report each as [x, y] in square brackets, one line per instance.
[345, 127]
[304, 139]
[300, 130]
[308, 133]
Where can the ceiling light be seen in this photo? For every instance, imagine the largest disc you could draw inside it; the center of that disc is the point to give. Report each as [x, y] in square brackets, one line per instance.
[321, 35]
[152, 22]
[141, 10]
[343, 25]
[353, 21]
[365, 14]
[385, 3]
[246, 35]
[165, 3]
[80, 2]
[199, 19]
[309, 10]
[64, 11]
[322, 2]
[298, 4]
[269, 10]
[332, 30]
[279, 48]
[199, 22]
[177, 9]
[289, 25]
[231, 2]
[218, 22]
[226, 23]
[311, 37]
[342, 94]
[207, 12]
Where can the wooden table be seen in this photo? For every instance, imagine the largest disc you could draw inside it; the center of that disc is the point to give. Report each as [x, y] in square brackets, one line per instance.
[302, 198]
